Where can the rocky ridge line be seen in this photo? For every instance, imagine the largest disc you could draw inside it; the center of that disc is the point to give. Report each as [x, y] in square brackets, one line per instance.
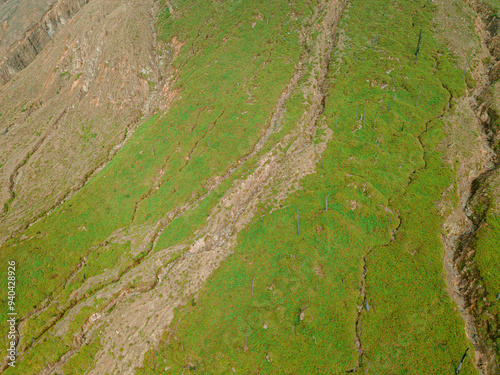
[22, 53]
[462, 274]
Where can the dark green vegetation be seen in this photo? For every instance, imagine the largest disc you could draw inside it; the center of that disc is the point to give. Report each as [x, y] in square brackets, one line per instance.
[366, 268]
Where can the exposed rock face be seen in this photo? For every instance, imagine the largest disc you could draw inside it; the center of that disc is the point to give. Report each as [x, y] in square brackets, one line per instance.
[17, 18]
[64, 114]
[24, 51]
[463, 275]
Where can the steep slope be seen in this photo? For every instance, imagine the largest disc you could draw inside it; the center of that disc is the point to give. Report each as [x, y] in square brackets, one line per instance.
[470, 259]
[200, 139]
[282, 209]
[67, 112]
[16, 18]
[22, 50]
[344, 279]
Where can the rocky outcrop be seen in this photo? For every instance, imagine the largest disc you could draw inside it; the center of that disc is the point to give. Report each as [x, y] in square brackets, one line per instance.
[22, 53]
[463, 275]
[77, 103]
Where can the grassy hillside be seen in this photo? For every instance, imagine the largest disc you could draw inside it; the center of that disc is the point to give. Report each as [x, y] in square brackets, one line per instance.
[235, 62]
[341, 270]
[361, 286]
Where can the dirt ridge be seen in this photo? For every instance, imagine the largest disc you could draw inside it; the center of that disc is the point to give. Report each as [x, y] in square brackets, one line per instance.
[22, 53]
[462, 274]
[217, 238]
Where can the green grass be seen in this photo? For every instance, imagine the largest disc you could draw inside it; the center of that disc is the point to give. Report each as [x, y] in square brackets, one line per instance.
[83, 360]
[106, 203]
[390, 168]
[411, 327]
[216, 83]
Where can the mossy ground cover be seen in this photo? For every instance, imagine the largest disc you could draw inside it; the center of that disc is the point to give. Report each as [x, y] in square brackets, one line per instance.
[287, 302]
[234, 64]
